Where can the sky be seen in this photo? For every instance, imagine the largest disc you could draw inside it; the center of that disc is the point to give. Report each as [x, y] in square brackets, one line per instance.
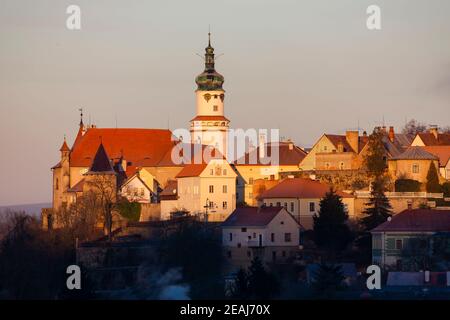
[305, 67]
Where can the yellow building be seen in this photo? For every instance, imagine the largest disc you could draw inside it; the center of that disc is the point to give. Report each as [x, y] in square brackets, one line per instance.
[413, 164]
[252, 166]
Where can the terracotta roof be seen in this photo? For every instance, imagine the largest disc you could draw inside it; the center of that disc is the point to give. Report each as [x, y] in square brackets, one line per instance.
[210, 118]
[252, 217]
[143, 147]
[286, 156]
[101, 161]
[417, 220]
[64, 146]
[442, 152]
[300, 188]
[443, 139]
[195, 169]
[415, 153]
[78, 187]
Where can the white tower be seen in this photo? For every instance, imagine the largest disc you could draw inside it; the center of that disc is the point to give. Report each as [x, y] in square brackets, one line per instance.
[210, 127]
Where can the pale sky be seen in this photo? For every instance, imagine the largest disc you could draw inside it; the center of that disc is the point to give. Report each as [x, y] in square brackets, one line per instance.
[305, 67]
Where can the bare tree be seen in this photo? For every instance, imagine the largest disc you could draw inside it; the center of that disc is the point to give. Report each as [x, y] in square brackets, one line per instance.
[413, 127]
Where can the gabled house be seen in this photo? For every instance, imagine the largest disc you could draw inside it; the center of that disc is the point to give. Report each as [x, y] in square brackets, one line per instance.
[271, 233]
[431, 138]
[443, 153]
[301, 198]
[335, 152]
[207, 188]
[406, 238]
[141, 186]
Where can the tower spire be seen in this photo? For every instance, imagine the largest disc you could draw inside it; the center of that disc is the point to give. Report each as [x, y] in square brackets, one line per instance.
[81, 116]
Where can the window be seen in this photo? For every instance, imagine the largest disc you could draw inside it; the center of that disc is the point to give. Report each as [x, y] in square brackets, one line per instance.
[244, 229]
[283, 253]
[215, 108]
[250, 180]
[324, 148]
[312, 207]
[224, 172]
[211, 189]
[224, 205]
[415, 168]
[341, 166]
[399, 244]
[292, 207]
[327, 165]
[274, 255]
[211, 172]
[287, 237]
[278, 204]
[224, 189]
[271, 204]
[272, 237]
[142, 192]
[57, 184]
[285, 205]
[254, 235]
[230, 237]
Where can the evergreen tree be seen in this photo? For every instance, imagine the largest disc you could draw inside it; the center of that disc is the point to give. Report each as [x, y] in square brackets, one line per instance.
[262, 284]
[378, 209]
[433, 185]
[331, 231]
[327, 280]
[241, 288]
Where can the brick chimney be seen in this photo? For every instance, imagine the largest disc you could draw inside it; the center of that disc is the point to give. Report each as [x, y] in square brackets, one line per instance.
[434, 131]
[353, 140]
[391, 133]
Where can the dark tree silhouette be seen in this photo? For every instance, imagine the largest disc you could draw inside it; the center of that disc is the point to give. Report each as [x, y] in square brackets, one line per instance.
[378, 209]
[331, 231]
[433, 185]
[262, 284]
[327, 280]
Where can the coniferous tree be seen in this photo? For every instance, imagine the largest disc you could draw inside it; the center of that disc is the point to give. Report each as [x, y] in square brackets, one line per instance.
[331, 231]
[378, 209]
[433, 185]
[261, 283]
[241, 288]
[327, 280]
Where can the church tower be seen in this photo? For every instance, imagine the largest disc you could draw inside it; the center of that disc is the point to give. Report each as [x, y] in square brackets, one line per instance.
[210, 127]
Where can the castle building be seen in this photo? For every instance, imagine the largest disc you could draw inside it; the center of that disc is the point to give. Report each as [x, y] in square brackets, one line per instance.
[142, 159]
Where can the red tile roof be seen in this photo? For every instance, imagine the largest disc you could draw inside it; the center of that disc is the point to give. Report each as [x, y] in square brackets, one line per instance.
[417, 220]
[336, 139]
[252, 217]
[300, 188]
[286, 156]
[145, 147]
[195, 169]
[428, 138]
[442, 152]
[210, 118]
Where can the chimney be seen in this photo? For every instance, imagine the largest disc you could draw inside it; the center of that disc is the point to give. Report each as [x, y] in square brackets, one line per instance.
[391, 133]
[434, 130]
[365, 133]
[291, 145]
[353, 140]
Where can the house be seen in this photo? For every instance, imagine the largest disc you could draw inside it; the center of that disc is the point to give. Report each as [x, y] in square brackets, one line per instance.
[301, 198]
[335, 152]
[257, 164]
[408, 236]
[141, 186]
[413, 163]
[271, 233]
[431, 138]
[207, 188]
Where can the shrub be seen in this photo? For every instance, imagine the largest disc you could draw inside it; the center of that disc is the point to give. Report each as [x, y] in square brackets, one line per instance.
[446, 189]
[407, 185]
